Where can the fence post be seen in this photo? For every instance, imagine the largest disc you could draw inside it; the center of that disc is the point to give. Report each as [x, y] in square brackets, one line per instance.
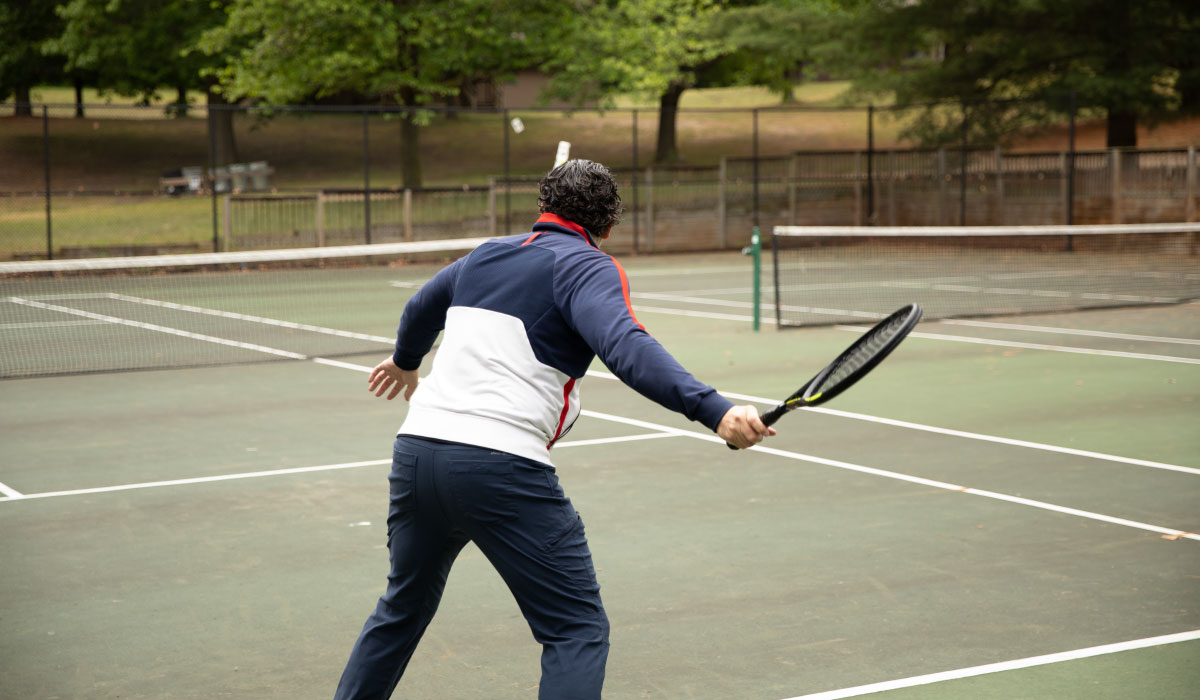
[408, 219]
[366, 144]
[46, 167]
[1064, 189]
[1189, 206]
[793, 168]
[320, 218]
[636, 223]
[722, 226]
[1114, 161]
[491, 207]
[999, 186]
[891, 188]
[941, 176]
[857, 219]
[227, 220]
[650, 208]
[871, 218]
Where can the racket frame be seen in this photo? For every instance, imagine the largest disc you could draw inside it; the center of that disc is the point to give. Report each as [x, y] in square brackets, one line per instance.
[911, 315]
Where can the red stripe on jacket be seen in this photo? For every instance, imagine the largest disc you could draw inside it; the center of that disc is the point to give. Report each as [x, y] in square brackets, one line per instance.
[625, 291]
[562, 417]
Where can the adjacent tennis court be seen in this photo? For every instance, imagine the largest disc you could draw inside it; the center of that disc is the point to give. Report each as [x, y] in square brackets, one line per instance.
[1007, 507]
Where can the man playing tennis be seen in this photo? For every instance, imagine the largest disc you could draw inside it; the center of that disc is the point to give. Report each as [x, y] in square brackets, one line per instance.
[524, 316]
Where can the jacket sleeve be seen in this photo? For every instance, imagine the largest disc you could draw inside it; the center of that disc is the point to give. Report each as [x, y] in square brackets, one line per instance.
[593, 296]
[425, 316]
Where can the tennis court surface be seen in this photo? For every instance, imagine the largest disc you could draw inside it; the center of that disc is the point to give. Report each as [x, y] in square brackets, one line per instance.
[194, 494]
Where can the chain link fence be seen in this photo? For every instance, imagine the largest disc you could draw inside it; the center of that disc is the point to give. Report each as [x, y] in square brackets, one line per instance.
[123, 180]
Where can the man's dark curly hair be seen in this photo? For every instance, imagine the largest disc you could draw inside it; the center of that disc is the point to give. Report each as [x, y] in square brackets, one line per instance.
[584, 192]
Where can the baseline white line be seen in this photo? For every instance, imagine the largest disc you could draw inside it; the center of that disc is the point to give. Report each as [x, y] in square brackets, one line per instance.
[955, 433]
[1002, 666]
[160, 329]
[203, 479]
[1068, 331]
[10, 491]
[51, 324]
[1167, 532]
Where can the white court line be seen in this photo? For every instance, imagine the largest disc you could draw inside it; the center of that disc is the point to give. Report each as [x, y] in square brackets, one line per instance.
[699, 314]
[1166, 532]
[1069, 331]
[14, 495]
[1040, 346]
[51, 324]
[345, 365]
[770, 319]
[199, 480]
[247, 317]
[765, 307]
[952, 432]
[665, 429]
[606, 441]
[1002, 666]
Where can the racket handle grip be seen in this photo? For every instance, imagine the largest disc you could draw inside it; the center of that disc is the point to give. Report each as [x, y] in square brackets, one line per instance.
[768, 420]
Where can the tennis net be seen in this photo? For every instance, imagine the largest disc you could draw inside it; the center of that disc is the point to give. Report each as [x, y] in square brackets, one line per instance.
[112, 314]
[836, 274]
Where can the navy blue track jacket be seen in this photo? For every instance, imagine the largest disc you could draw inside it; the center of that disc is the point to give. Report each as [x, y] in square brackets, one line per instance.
[524, 316]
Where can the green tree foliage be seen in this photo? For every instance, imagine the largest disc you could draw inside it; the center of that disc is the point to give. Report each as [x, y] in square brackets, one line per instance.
[412, 53]
[779, 43]
[1133, 60]
[24, 26]
[135, 48]
[657, 48]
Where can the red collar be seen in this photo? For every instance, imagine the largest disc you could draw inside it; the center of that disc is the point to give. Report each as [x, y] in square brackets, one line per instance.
[549, 218]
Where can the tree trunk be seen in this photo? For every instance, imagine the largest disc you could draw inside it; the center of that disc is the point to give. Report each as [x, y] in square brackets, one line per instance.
[668, 110]
[410, 151]
[78, 98]
[220, 122]
[179, 108]
[24, 107]
[1122, 129]
[410, 141]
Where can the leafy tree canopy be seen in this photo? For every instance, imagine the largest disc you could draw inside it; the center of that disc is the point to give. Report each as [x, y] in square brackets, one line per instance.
[1134, 60]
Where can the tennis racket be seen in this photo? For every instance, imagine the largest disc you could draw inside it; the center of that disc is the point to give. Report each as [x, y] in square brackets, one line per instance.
[850, 366]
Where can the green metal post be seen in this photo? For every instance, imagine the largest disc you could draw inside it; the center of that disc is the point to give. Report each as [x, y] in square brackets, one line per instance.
[754, 250]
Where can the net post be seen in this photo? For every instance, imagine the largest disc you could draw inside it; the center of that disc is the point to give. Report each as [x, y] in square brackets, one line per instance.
[754, 250]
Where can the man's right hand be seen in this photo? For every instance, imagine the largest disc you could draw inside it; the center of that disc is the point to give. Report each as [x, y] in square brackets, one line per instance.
[742, 427]
[387, 375]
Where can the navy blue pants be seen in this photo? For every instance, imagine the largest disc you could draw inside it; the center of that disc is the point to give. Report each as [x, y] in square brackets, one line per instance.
[444, 495]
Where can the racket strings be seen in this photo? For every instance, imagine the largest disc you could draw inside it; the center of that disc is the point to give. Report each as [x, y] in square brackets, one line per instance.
[863, 351]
